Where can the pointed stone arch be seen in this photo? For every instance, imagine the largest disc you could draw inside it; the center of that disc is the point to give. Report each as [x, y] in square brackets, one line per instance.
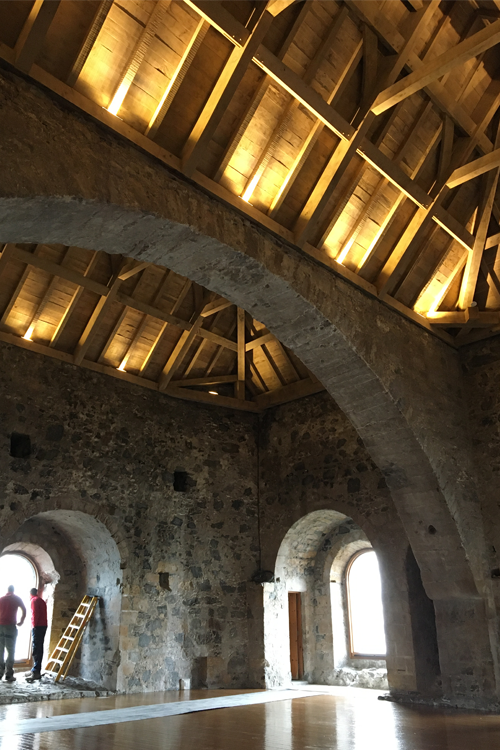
[401, 394]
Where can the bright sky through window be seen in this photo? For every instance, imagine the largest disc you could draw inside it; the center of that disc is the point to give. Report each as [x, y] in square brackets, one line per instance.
[365, 606]
[18, 571]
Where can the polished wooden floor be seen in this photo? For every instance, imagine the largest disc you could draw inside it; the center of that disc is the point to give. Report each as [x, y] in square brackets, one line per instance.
[346, 720]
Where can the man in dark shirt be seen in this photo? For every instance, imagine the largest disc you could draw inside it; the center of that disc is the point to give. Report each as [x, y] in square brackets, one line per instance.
[38, 630]
[9, 604]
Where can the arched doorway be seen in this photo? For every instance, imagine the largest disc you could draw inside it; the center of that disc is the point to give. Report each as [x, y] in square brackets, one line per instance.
[86, 560]
[19, 571]
[310, 577]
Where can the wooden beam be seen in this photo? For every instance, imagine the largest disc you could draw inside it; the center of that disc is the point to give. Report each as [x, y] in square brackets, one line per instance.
[439, 66]
[446, 149]
[54, 269]
[100, 312]
[132, 268]
[177, 304]
[212, 400]
[239, 389]
[220, 97]
[463, 317]
[182, 393]
[314, 133]
[292, 105]
[259, 341]
[19, 285]
[73, 303]
[289, 393]
[137, 55]
[8, 255]
[312, 214]
[210, 380]
[152, 311]
[100, 17]
[257, 97]
[221, 19]
[177, 78]
[32, 36]
[492, 241]
[307, 96]
[178, 354]
[45, 299]
[474, 169]
[471, 272]
[215, 307]
[121, 318]
[275, 7]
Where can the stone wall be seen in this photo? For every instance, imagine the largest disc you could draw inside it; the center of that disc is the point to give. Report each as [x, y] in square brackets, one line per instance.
[399, 386]
[315, 474]
[186, 557]
[481, 369]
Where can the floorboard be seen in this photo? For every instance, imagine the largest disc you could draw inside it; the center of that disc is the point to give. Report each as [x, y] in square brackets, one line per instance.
[344, 720]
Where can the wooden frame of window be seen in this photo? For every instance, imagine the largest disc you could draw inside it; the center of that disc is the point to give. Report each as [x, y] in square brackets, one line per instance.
[25, 662]
[354, 654]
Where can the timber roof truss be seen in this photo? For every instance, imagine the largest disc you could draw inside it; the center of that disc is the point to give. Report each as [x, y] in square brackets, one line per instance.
[364, 132]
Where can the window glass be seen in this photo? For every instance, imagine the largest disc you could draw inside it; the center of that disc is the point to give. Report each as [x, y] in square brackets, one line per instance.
[366, 615]
[18, 571]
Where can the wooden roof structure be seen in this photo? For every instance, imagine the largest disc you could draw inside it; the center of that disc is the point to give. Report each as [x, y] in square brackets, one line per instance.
[365, 132]
[146, 325]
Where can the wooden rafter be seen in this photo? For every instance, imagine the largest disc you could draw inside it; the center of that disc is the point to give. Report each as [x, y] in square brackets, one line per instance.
[90, 39]
[31, 39]
[438, 67]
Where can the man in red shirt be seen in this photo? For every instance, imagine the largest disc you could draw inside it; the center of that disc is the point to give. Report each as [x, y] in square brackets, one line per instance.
[38, 630]
[9, 604]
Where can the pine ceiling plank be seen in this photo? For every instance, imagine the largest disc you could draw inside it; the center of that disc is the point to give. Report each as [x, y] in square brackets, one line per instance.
[32, 36]
[221, 95]
[293, 104]
[177, 304]
[90, 38]
[177, 78]
[312, 214]
[439, 66]
[397, 265]
[315, 131]
[257, 97]
[137, 55]
[101, 310]
[73, 303]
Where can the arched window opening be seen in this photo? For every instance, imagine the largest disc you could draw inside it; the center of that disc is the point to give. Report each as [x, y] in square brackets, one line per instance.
[364, 597]
[18, 571]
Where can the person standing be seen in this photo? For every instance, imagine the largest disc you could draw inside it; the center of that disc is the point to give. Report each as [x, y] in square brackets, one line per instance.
[38, 630]
[9, 604]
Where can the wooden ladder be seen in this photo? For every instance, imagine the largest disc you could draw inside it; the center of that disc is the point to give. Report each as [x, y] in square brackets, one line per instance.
[64, 653]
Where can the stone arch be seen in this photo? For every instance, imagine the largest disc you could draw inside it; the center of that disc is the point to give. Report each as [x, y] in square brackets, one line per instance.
[53, 189]
[85, 559]
[309, 551]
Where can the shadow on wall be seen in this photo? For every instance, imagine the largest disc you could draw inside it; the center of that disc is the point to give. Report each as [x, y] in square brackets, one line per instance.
[75, 555]
[311, 561]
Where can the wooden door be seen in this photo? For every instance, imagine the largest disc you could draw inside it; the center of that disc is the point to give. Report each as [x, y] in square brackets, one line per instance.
[296, 655]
